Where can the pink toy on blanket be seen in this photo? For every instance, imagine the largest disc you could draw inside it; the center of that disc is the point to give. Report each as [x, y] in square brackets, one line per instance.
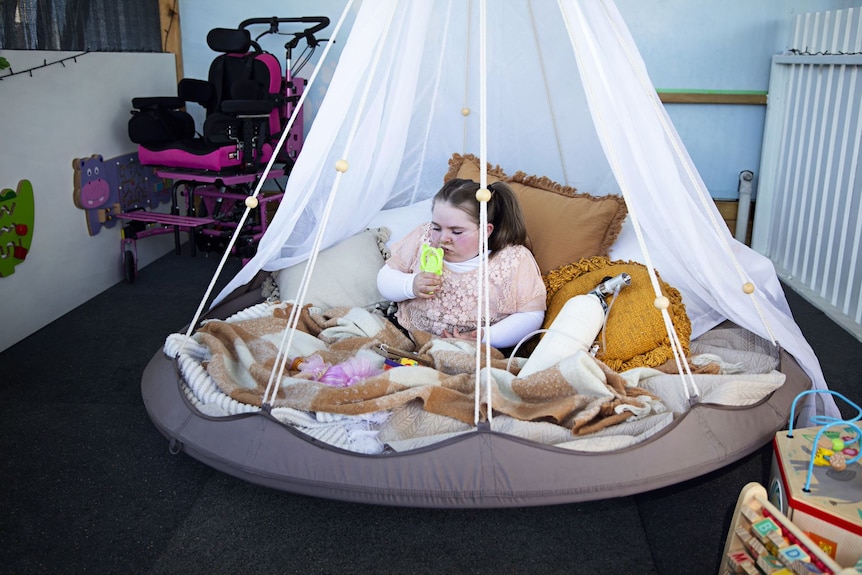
[342, 374]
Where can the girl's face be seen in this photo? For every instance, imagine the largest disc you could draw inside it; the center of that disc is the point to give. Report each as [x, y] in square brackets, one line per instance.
[455, 231]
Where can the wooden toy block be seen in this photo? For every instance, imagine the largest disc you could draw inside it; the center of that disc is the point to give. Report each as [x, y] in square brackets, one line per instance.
[769, 564]
[792, 553]
[775, 542]
[791, 543]
[802, 568]
[763, 528]
[737, 562]
[756, 548]
[752, 513]
[819, 569]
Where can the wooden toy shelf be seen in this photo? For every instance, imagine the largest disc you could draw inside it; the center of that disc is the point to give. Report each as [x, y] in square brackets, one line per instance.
[762, 540]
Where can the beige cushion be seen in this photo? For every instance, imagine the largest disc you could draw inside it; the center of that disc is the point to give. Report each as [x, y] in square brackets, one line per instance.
[345, 275]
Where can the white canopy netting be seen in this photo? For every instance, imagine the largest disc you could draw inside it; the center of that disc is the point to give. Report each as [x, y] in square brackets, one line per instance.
[551, 88]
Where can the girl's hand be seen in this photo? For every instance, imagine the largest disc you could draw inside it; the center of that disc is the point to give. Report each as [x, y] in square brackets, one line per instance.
[467, 335]
[426, 284]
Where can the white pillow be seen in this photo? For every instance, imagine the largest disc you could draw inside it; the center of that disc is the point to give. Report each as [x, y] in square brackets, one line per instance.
[344, 275]
[401, 221]
[627, 248]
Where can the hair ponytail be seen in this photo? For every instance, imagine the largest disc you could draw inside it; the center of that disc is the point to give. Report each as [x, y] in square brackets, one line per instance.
[504, 211]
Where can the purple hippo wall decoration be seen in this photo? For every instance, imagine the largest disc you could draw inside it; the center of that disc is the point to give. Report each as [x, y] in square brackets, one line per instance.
[104, 188]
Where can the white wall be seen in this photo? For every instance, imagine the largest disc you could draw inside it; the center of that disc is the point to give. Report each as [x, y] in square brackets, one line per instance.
[687, 45]
[59, 113]
[717, 45]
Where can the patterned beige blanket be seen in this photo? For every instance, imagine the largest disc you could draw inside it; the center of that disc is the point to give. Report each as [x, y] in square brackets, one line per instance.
[580, 392]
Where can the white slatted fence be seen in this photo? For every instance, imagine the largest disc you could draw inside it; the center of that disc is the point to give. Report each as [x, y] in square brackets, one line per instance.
[809, 198]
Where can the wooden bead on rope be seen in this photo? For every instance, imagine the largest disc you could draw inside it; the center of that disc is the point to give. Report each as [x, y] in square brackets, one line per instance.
[483, 195]
[838, 462]
[251, 202]
[341, 166]
[465, 111]
[748, 288]
[661, 302]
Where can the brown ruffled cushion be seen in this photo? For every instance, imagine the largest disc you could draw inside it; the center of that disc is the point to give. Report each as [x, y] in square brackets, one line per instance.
[565, 225]
[466, 167]
[636, 334]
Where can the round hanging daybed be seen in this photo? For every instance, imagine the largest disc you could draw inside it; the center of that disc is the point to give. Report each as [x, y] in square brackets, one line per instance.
[409, 89]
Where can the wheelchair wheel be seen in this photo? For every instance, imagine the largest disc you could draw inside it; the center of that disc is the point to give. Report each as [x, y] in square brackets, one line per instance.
[130, 267]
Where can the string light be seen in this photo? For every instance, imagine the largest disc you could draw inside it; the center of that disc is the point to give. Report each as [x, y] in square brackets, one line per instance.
[45, 64]
[797, 52]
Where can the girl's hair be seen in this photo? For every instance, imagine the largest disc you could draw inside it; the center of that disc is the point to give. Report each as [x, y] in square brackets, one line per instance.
[504, 211]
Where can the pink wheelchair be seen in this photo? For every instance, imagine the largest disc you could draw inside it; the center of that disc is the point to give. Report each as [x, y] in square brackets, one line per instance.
[248, 101]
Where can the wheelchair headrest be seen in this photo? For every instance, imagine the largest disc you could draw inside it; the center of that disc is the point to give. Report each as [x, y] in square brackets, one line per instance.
[229, 40]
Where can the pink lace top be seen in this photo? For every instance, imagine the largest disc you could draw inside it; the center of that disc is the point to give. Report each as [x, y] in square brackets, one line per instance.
[515, 286]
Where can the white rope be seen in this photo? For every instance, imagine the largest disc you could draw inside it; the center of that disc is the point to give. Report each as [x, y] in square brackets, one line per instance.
[264, 175]
[486, 277]
[483, 213]
[293, 321]
[483, 316]
[465, 109]
[685, 374]
[483, 180]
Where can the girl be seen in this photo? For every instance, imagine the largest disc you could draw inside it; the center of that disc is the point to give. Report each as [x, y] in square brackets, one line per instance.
[446, 304]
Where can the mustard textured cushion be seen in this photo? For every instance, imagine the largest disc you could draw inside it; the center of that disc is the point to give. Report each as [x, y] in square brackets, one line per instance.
[564, 225]
[636, 334]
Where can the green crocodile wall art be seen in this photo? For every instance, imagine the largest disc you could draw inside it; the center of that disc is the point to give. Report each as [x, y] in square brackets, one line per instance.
[17, 212]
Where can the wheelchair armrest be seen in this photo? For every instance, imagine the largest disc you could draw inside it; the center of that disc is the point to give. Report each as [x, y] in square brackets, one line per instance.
[247, 107]
[166, 102]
